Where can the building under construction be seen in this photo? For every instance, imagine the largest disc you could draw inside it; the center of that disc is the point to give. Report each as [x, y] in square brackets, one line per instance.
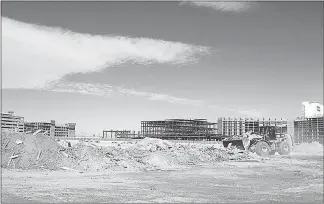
[182, 129]
[115, 134]
[239, 126]
[307, 130]
[51, 129]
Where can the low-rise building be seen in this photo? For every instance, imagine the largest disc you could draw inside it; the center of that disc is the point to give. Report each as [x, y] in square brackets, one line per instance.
[65, 130]
[51, 129]
[9, 121]
[31, 127]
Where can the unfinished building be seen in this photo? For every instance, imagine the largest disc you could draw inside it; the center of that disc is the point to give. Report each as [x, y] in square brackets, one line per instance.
[182, 129]
[239, 126]
[11, 122]
[51, 129]
[307, 130]
[115, 134]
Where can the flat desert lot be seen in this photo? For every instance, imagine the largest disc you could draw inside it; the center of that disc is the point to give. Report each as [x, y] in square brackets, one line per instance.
[293, 179]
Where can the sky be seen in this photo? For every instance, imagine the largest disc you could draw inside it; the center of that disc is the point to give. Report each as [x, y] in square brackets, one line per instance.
[111, 65]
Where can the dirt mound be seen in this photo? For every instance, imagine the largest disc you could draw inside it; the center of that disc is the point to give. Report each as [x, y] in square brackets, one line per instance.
[27, 151]
[151, 144]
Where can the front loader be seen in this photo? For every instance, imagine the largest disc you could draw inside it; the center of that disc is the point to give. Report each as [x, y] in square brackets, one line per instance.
[267, 143]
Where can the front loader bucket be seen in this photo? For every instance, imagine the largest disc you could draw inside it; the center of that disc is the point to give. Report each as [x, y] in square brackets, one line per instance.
[234, 143]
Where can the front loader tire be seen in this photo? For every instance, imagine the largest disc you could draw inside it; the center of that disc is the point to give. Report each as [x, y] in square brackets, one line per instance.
[262, 149]
[284, 148]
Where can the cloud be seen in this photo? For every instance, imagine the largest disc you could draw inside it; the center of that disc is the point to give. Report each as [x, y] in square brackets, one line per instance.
[33, 55]
[38, 57]
[106, 90]
[227, 6]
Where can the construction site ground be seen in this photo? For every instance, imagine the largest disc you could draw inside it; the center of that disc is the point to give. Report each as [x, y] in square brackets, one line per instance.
[281, 180]
[297, 178]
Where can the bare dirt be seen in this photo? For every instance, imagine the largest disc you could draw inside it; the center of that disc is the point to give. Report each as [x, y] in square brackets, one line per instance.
[275, 180]
[180, 174]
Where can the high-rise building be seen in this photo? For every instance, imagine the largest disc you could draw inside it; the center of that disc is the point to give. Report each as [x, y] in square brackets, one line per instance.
[11, 122]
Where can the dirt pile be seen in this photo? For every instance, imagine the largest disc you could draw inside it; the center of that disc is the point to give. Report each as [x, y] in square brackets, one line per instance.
[27, 151]
[164, 155]
[147, 154]
[152, 145]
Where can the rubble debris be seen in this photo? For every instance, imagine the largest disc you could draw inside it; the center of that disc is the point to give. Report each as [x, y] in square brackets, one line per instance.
[7, 143]
[38, 131]
[63, 143]
[18, 141]
[10, 159]
[14, 157]
[65, 154]
[147, 154]
[38, 155]
[67, 168]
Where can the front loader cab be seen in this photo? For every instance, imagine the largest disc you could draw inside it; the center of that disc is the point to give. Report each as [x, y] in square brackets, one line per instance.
[269, 132]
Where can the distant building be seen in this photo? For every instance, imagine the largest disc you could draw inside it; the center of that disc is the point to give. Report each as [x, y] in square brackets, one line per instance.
[307, 130]
[239, 126]
[31, 127]
[17, 124]
[312, 109]
[51, 129]
[11, 122]
[310, 127]
[114, 134]
[197, 129]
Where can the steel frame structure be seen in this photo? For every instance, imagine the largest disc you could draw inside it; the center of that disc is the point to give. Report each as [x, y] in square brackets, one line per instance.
[114, 134]
[180, 129]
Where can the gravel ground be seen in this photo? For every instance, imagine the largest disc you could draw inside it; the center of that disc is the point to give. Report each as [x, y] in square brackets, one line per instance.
[296, 179]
